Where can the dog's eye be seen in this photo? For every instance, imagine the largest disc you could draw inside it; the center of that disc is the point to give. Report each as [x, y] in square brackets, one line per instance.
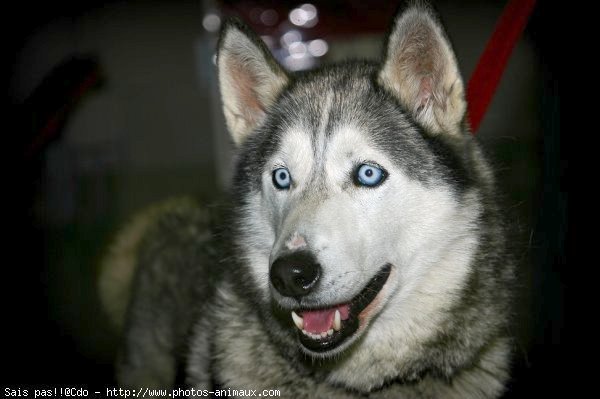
[282, 179]
[369, 175]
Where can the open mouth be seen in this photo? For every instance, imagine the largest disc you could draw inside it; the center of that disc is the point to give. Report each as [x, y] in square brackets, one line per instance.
[321, 330]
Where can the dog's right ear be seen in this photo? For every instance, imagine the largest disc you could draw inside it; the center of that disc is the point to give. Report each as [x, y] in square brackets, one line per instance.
[249, 78]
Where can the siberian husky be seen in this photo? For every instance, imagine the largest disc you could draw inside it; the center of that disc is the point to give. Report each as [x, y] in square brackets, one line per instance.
[364, 254]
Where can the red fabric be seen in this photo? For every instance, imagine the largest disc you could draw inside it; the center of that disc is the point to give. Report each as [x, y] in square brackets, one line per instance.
[492, 63]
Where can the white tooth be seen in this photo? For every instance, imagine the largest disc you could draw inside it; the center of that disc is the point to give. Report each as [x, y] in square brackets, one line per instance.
[298, 321]
[305, 332]
[330, 332]
[324, 334]
[337, 320]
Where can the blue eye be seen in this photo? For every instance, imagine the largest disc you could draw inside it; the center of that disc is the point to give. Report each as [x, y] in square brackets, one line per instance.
[369, 175]
[282, 179]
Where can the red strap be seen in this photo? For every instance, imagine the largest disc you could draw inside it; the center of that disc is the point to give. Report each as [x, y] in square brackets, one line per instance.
[487, 74]
[50, 129]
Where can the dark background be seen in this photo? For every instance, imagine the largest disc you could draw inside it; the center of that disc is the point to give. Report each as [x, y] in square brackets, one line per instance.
[70, 194]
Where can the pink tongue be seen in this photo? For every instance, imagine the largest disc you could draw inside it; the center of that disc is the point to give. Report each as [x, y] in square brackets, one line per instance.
[318, 321]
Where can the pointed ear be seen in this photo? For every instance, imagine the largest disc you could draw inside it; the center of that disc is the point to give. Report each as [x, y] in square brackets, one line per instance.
[249, 79]
[420, 69]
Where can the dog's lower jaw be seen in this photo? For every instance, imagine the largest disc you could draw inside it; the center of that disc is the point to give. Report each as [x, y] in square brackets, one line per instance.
[363, 308]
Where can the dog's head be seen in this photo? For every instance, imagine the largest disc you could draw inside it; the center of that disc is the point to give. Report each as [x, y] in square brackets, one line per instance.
[358, 209]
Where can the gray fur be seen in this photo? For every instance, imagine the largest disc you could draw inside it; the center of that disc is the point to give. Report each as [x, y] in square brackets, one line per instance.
[168, 290]
[215, 312]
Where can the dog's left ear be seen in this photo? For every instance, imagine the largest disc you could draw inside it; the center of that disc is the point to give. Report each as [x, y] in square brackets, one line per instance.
[420, 69]
[250, 79]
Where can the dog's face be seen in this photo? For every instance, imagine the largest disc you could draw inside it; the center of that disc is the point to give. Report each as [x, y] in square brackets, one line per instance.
[357, 215]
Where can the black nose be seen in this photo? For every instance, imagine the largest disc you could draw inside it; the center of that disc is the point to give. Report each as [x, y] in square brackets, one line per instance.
[295, 274]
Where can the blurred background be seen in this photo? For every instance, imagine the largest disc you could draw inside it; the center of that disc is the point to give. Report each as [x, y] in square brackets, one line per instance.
[114, 106]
